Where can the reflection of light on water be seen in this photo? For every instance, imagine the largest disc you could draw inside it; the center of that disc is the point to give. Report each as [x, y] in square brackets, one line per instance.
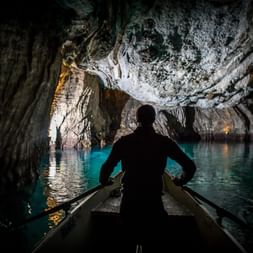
[55, 217]
[65, 176]
[225, 150]
[52, 171]
[65, 180]
[225, 155]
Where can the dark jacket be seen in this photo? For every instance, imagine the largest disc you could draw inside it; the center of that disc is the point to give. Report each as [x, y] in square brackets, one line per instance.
[144, 155]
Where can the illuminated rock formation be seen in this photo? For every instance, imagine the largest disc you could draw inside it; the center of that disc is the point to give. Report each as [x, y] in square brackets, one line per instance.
[193, 60]
[86, 113]
[172, 53]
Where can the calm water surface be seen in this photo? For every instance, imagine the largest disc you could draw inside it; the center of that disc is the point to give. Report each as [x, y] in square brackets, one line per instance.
[224, 175]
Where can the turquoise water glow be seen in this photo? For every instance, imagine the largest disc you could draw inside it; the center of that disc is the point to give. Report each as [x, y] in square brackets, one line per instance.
[224, 175]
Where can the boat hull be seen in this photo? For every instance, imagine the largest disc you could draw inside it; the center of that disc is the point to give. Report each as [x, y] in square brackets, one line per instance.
[94, 225]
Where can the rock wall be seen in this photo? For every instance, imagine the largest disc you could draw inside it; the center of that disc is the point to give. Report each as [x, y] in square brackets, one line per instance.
[78, 62]
[86, 113]
[194, 123]
[172, 53]
[230, 124]
[30, 66]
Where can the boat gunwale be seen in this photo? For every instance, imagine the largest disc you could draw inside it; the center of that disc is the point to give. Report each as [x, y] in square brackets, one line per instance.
[199, 205]
[201, 214]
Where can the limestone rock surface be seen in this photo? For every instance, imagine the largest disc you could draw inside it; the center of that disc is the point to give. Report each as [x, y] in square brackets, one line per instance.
[171, 53]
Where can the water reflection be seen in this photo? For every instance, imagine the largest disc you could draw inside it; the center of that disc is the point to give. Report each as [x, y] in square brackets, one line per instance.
[56, 217]
[69, 173]
[224, 175]
[64, 176]
[58, 157]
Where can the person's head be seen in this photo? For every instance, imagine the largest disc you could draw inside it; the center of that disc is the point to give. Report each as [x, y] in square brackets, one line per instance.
[145, 115]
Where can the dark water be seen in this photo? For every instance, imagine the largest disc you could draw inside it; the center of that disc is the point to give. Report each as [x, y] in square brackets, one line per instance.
[224, 176]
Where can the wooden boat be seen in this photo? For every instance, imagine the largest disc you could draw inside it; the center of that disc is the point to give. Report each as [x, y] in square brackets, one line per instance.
[94, 225]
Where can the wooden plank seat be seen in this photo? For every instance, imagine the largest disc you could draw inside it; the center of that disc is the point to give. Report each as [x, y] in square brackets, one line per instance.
[111, 206]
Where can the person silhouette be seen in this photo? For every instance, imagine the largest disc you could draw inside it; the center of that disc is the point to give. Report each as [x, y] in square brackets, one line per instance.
[143, 155]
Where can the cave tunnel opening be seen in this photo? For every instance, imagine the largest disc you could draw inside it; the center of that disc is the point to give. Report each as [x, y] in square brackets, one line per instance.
[193, 64]
[82, 80]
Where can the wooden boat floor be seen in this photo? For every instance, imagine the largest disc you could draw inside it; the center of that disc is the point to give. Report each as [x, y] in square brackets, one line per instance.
[181, 231]
[111, 206]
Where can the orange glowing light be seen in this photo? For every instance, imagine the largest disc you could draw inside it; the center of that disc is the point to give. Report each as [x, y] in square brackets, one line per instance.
[65, 73]
[226, 129]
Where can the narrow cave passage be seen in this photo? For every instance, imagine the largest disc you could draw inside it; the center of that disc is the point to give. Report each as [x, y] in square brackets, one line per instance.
[80, 69]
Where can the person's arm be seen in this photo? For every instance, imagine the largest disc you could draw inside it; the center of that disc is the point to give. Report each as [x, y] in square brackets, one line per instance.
[188, 166]
[108, 167]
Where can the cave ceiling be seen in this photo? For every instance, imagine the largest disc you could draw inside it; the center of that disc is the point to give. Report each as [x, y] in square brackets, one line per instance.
[170, 53]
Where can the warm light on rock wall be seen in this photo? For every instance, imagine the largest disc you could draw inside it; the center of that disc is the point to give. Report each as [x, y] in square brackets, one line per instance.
[226, 130]
[69, 89]
[64, 75]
